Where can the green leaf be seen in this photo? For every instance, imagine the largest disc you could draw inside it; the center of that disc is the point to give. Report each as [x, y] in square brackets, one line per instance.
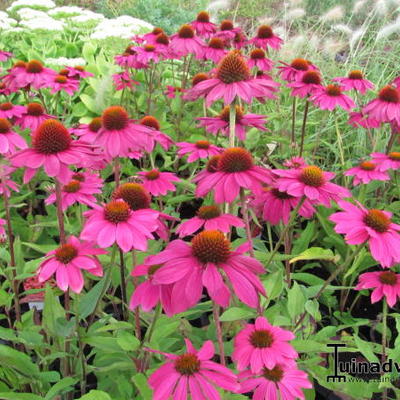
[140, 382]
[316, 253]
[127, 341]
[87, 303]
[60, 387]
[312, 307]
[19, 396]
[18, 361]
[95, 395]
[235, 314]
[273, 284]
[89, 103]
[296, 301]
[52, 311]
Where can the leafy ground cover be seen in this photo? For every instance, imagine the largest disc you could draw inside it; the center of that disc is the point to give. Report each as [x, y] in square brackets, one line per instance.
[198, 214]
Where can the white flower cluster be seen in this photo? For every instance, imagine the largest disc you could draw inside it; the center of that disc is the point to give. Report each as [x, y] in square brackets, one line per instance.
[43, 4]
[66, 11]
[6, 22]
[65, 62]
[122, 27]
[87, 16]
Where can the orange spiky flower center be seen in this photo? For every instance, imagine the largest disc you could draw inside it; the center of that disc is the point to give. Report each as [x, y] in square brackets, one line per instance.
[389, 94]
[235, 159]
[72, 187]
[5, 125]
[226, 25]
[300, 64]
[356, 74]
[200, 77]
[61, 79]
[115, 118]
[186, 32]
[333, 90]
[211, 246]
[152, 175]
[78, 176]
[95, 124]
[212, 164]
[19, 64]
[134, 194]
[216, 43]
[51, 137]
[311, 77]
[281, 195]
[261, 338]
[388, 278]
[116, 211]
[394, 155]
[66, 253]
[162, 38]
[203, 144]
[312, 176]
[157, 31]
[367, 165]
[64, 72]
[6, 106]
[274, 375]
[203, 16]
[377, 220]
[187, 364]
[149, 48]
[151, 122]
[208, 212]
[35, 109]
[265, 32]
[224, 115]
[257, 54]
[34, 67]
[233, 68]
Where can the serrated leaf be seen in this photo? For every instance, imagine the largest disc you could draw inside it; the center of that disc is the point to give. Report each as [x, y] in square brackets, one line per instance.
[315, 253]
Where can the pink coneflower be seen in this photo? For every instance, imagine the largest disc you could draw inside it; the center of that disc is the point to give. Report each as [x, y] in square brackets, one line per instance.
[32, 117]
[309, 83]
[295, 162]
[78, 72]
[128, 59]
[311, 182]
[235, 170]
[355, 80]
[6, 91]
[357, 119]
[258, 59]
[384, 283]
[64, 83]
[117, 223]
[233, 79]
[331, 96]
[9, 80]
[360, 225]
[5, 55]
[387, 161]
[295, 70]
[227, 31]
[157, 182]
[80, 189]
[123, 81]
[266, 37]
[151, 36]
[34, 74]
[186, 42]
[3, 234]
[215, 50]
[154, 134]
[161, 44]
[284, 381]
[262, 345]
[148, 294]
[147, 54]
[197, 150]
[52, 148]
[275, 206]
[239, 41]
[9, 140]
[173, 91]
[386, 107]
[67, 261]
[203, 26]
[119, 135]
[192, 374]
[88, 132]
[209, 218]
[5, 178]
[366, 172]
[9, 110]
[210, 262]
[220, 124]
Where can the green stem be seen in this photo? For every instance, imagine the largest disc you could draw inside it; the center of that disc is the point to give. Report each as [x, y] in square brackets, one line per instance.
[123, 284]
[285, 230]
[232, 124]
[384, 339]
[303, 127]
[219, 333]
[245, 213]
[293, 136]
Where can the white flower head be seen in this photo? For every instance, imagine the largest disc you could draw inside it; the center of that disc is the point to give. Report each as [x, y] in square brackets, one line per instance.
[40, 4]
[343, 28]
[65, 62]
[66, 11]
[333, 14]
[295, 13]
[388, 30]
[45, 24]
